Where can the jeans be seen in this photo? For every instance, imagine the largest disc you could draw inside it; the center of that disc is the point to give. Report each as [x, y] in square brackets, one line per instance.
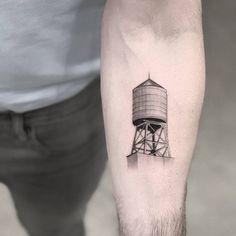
[51, 159]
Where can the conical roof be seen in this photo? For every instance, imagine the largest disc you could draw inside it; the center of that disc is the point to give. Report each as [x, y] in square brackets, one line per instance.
[149, 82]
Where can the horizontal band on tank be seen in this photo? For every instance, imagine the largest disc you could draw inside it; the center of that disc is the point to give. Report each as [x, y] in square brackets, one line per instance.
[150, 103]
[149, 114]
[147, 109]
[150, 106]
[148, 118]
[150, 111]
[149, 88]
[150, 97]
[149, 94]
[145, 113]
[139, 100]
[151, 120]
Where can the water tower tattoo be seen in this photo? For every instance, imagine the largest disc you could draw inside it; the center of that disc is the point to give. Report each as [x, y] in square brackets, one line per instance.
[150, 120]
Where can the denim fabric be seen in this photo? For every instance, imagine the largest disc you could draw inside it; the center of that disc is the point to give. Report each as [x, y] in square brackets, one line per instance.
[51, 159]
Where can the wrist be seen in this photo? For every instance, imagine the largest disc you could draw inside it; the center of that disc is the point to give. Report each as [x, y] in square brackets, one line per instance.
[153, 203]
[168, 223]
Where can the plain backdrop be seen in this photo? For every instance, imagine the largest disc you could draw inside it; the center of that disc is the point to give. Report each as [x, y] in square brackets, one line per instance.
[211, 208]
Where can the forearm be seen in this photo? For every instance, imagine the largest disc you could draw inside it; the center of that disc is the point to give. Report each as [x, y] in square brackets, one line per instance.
[163, 38]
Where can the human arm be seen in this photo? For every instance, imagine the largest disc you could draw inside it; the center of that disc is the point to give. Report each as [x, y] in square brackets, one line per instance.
[163, 38]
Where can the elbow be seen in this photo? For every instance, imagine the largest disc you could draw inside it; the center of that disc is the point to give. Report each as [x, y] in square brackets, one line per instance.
[163, 18]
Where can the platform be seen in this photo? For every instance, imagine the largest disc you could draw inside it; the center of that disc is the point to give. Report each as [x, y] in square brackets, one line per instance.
[137, 159]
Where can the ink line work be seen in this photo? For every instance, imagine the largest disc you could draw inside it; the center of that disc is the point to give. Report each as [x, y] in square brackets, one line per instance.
[150, 120]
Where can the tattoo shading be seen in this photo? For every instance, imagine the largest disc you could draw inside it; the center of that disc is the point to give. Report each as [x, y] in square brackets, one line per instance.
[150, 120]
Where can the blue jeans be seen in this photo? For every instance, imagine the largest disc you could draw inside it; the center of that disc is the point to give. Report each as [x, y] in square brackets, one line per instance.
[51, 159]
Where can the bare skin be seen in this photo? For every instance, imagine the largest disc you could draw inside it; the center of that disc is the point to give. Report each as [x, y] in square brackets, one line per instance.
[165, 39]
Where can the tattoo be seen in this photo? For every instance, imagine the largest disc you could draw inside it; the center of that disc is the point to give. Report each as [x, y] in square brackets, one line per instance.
[150, 119]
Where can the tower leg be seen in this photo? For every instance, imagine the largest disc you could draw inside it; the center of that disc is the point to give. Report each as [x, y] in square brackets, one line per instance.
[151, 139]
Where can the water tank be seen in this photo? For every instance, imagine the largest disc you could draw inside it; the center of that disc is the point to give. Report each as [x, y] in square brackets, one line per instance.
[149, 103]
